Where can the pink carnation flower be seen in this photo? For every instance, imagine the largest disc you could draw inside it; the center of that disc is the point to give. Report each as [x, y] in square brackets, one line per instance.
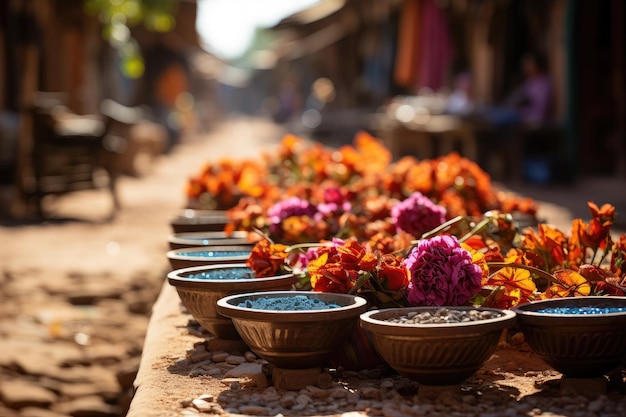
[417, 214]
[442, 273]
[292, 206]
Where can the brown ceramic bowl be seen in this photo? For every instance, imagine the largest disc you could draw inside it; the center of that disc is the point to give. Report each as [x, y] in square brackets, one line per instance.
[191, 220]
[207, 255]
[435, 354]
[295, 339]
[199, 293]
[577, 345]
[193, 239]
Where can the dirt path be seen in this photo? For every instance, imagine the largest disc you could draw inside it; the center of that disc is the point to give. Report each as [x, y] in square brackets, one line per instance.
[76, 292]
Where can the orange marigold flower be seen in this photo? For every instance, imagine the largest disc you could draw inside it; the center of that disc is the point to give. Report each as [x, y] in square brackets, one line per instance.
[516, 283]
[547, 248]
[267, 259]
[392, 273]
[329, 276]
[606, 213]
[570, 284]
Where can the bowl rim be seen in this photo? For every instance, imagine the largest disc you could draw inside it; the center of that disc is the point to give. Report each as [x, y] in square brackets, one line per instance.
[193, 216]
[358, 305]
[176, 279]
[369, 322]
[174, 253]
[222, 236]
[528, 309]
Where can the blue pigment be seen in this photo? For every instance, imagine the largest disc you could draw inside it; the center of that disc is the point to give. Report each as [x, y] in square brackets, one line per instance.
[223, 274]
[215, 254]
[295, 303]
[581, 310]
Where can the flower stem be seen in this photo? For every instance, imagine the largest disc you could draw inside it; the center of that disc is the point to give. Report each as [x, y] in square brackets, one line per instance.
[480, 226]
[304, 246]
[439, 228]
[262, 233]
[363, 278]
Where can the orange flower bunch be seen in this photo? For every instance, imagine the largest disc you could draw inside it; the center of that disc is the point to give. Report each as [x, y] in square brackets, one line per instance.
[337, 266]
[549, 264]
[365, 177]
[515, 268]
[220, 185]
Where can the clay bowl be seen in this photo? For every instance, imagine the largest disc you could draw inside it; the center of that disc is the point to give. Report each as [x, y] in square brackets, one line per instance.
[577, 345]
[193, 239]
[207, 255]
[191, 220]
[294, 339]
[199, 289]
[435, 354]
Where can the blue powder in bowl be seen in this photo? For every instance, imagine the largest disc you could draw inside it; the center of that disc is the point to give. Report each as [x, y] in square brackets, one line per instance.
[223, 274]
[295, 303]
[215, 254]
[581, 310]
[205, 239]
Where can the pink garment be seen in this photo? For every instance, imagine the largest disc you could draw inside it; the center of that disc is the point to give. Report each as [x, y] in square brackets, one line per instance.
[435, 49]
[534, 107]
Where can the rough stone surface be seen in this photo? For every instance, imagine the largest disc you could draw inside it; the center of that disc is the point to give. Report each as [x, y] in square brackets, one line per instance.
[77, 290]
[19, 394]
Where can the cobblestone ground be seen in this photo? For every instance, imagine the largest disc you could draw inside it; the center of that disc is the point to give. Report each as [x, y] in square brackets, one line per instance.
[76, 292]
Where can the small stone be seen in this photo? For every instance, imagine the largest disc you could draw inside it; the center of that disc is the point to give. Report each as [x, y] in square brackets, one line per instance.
[213, 371]
[352, 397]
[250, 356]
[386, 384]
[235, 359]
[19, 394]
[194, 373]
[250, 370]
[253, 410]
[370, 393]
[202, 405]
[288, 401]
[325, 380]
[36, 412]
[219, 356]
[597, 404]
[339, 393]
[195, 356]
[270, 394]
[318, 393]
[363, 405]
[88, 406]
[517, 339]
[303, 399]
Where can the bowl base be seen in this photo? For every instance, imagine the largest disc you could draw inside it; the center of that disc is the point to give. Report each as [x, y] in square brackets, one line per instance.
[590, 387]
[297, 379]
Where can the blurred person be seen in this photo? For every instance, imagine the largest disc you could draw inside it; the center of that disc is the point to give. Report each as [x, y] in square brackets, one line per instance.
[530, 103]
[532, 99]
[526, 109]
[459, 101]
[288, 101]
